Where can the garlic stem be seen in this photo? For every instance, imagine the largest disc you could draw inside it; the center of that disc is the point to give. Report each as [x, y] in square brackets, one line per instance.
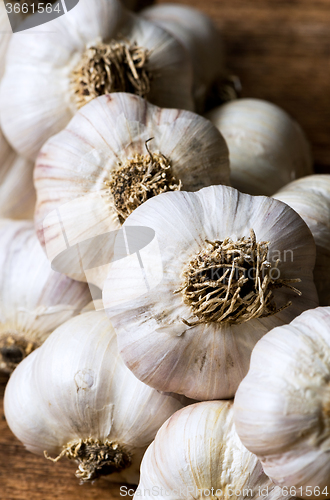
[95, 458]
[232, 282]
[139, 178]
[118, 66]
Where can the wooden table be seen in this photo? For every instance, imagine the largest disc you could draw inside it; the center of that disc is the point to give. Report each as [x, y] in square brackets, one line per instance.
[280, 49]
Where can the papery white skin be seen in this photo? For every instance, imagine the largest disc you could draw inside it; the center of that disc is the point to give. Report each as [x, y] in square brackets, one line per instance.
[209, 360]
[76, 386]
[267, 148]
[40, 104]
[73, 166]
[197, 453]
[34, 299]
[310, 198]
[282, 405]
[201, 38]
[17, 193]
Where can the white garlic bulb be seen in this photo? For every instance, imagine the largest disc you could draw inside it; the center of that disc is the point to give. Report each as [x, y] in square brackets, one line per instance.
[96, 48]
[201, 38]
[282, 406]
[267, 148]
[34, 299]
[197, 454]
[75, 397]
[310, 198]
[223, 269]
[117, 152]
[17, 193]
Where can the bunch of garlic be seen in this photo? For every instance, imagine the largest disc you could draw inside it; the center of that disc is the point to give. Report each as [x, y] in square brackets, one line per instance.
[223, 268]
[74, 397]
[34, 299]
[94, 49]
[267, 148]
[282, 406]
[197, 454]
[310, 198]
[117, 152]
[200, 37]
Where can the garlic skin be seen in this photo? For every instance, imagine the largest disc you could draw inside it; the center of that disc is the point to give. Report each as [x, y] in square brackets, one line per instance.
[34, 299]
[17, 193]
[200, 37]
[162, 338]
[42, 103]
[267, 148]
[76, 389]
[310, 198]
[282, 406]
[74, 168]
[197, 454]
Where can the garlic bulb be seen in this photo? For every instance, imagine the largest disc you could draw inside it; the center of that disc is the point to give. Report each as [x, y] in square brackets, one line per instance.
[197, 454]
[282, 405]
[117, 152]
[96, 48]
[267, 148]
[201, 39]
[310, 198]
[17, 193]
[223, 269]
[33, 299]
[75, 397]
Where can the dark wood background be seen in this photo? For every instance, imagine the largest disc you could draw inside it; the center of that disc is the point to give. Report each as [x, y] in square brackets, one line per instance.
[280, 49]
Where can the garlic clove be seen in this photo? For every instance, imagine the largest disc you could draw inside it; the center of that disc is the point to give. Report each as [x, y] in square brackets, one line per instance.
[310, 198]
[76, 389]
[79, 181]
[177, 332]
[267, 148]
[34, 299]
[197, 454]
[287, 389]
[42, 103]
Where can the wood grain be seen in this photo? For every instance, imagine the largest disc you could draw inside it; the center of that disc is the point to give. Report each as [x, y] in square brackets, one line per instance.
[280, 49]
